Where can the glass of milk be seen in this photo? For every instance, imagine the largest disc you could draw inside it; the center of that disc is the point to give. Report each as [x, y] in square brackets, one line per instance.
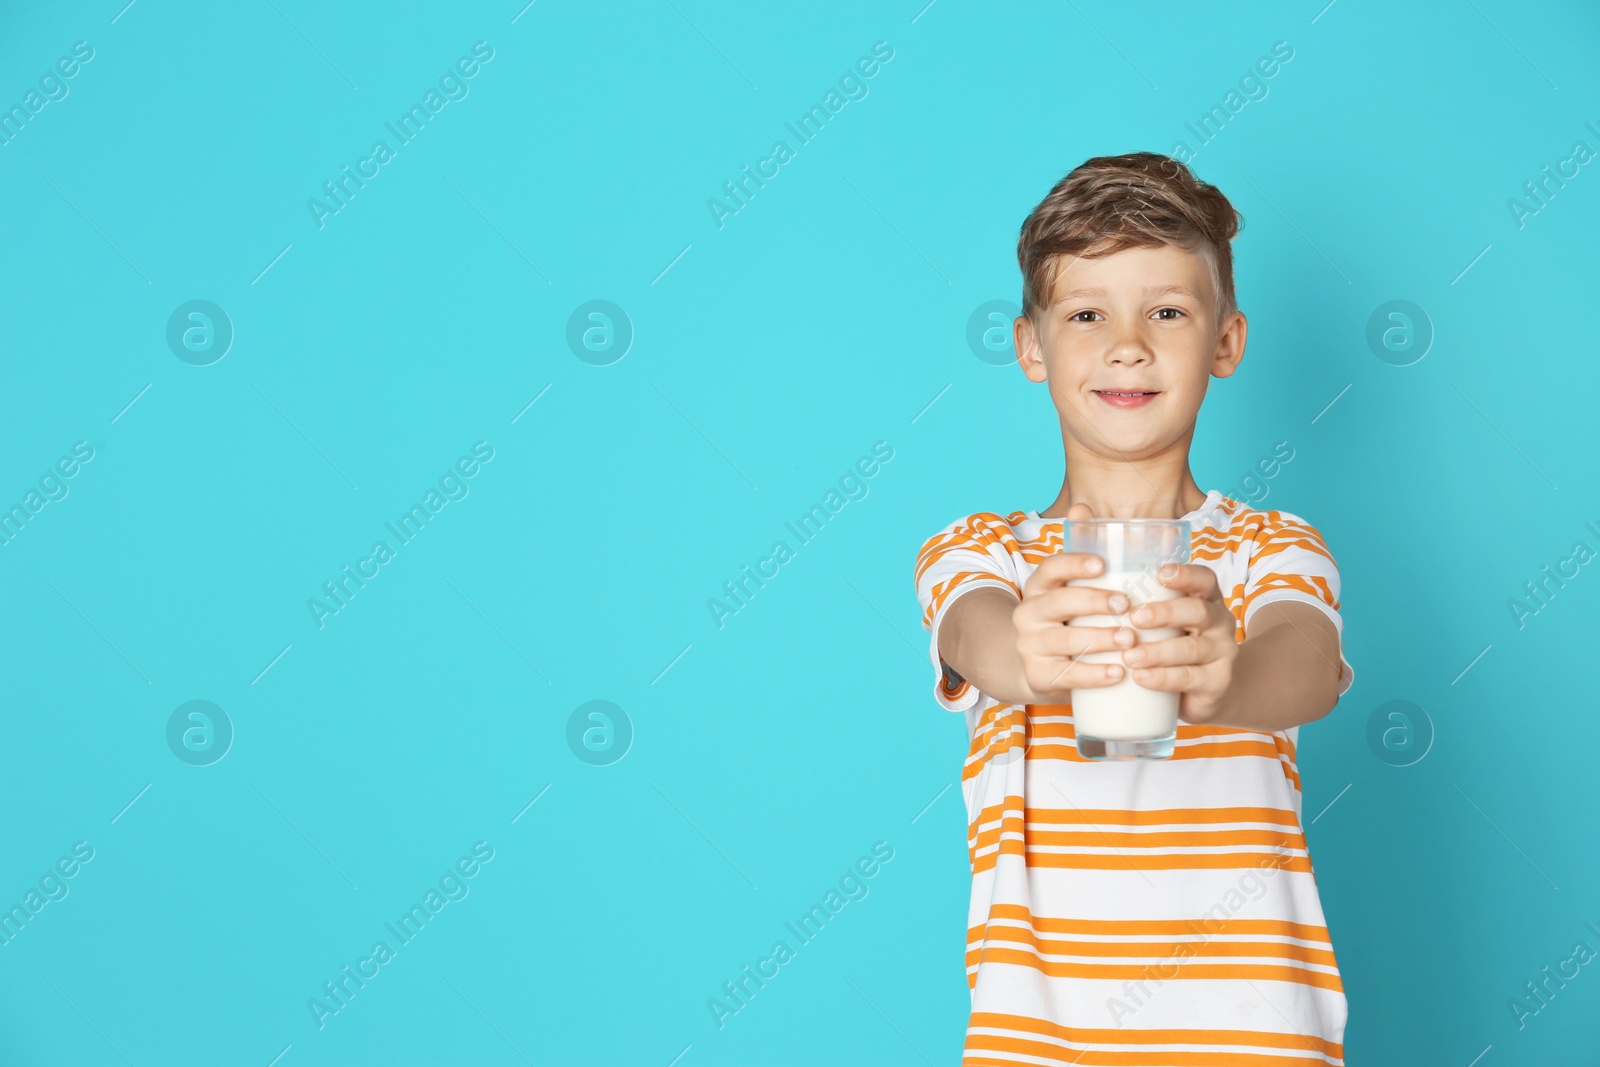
[1126, 721]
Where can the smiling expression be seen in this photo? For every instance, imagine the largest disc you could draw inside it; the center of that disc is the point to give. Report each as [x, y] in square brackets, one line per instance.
[1127, 346]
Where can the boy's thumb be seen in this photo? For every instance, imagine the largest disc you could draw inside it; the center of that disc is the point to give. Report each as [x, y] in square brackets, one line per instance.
[1079, 511]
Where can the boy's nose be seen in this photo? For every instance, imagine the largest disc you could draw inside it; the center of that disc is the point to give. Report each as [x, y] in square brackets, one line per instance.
[1129, 350]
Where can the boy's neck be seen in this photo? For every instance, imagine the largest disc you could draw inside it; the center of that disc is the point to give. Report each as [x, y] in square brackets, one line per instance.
[1125, 496]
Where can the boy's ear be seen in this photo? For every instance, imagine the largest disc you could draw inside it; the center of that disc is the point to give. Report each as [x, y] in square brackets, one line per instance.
[1030, 354]
[1230, 345]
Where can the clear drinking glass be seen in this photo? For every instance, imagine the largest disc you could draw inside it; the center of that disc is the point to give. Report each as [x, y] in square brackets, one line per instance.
[1126, 721]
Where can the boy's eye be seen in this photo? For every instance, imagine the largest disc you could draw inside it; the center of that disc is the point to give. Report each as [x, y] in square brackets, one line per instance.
[1078, 316]
[1175, 312]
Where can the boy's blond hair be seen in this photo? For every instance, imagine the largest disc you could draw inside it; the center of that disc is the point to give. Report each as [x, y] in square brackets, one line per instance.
[1109, 203]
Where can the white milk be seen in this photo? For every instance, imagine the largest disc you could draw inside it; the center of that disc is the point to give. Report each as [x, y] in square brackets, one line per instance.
[1125, 711]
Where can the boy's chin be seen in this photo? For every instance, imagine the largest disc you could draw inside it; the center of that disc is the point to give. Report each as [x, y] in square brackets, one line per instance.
[1134, 432]
[1122, 447]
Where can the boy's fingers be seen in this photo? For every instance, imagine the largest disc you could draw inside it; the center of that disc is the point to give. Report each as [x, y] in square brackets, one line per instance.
[1075, 673]
[1070, 602]
[1190, 578]
[1072, 640]
[1181, 611]
[1173, 651]
[1061, 568]
[1181, 679]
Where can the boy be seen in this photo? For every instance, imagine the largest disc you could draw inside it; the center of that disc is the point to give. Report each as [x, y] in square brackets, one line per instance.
[1146, 912]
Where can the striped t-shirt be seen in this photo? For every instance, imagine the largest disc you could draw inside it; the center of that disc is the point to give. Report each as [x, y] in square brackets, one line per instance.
[1151, 912]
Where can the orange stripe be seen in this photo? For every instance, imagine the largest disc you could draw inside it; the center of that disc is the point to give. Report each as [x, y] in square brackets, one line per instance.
[1210, 550]
[975, 533]
[1016, 824]
[1219, 750]
[1002, 728]
[944, 591]
[1266, 529]
[1257, 745]
[1187, 739]
[1186, 861]
[1048, 543]
[982, 1051]
[951, 694]
[1266, 972]
[984, 1056]
[1215, 542]
[1069, 753]
[938, 554]
[970, 532]
[1290, 773]
[1290, 536]
[1285, 749]
[1186, 731]
[1312, 585]
[1268, 533]
[1140, 817]
[987, 737]
[997, 732]
[998, 719]
[1149, 927]
[1161, 950]
[1134, 1036]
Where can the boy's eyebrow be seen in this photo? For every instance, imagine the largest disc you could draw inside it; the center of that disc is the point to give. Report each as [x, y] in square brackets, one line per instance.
[1100, 291]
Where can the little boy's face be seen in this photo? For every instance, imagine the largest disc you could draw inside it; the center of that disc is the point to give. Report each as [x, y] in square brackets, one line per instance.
[1128, 346]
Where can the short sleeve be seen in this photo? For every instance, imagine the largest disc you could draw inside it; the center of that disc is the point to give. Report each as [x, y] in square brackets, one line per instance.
[971, 553]
[1289, 560]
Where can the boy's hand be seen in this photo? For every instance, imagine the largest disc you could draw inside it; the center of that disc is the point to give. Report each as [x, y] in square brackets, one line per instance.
[1049, 646]
[1198, 664]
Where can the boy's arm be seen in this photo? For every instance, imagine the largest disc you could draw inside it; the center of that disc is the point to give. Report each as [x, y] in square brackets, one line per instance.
[1285, 673]
[979, 642]
[1027, 651]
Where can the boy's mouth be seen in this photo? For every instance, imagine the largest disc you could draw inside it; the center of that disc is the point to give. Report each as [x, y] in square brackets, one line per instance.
[1126, 398]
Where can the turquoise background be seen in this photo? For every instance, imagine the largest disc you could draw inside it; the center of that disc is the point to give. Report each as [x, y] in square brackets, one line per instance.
[771, 753]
